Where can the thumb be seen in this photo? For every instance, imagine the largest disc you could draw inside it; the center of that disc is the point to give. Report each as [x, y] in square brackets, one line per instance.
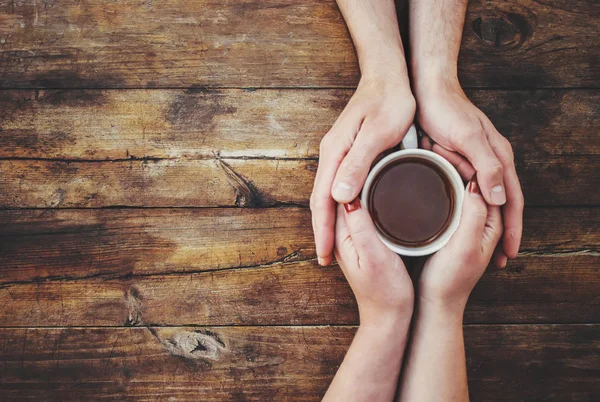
[473, 217]
[353, 171]
[477, 149]
[363, 233]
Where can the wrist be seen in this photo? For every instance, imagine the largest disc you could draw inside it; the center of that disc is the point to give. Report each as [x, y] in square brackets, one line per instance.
[387, 329]
[384, 63]
[445, 309]
[434, 79]
[391, 321]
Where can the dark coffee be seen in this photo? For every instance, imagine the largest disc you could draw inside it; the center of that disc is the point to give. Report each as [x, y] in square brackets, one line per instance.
[411, 201]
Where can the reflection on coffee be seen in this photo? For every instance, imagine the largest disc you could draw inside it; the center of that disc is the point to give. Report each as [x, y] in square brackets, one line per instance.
[411, 202]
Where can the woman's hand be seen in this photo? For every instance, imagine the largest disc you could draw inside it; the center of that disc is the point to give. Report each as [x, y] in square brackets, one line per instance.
[376, 118]
[465, 136]
[449, 275]
[384, 294]
[435, 363]
[377, 275]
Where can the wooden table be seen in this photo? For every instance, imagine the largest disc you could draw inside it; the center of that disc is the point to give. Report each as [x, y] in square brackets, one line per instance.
[156, 161]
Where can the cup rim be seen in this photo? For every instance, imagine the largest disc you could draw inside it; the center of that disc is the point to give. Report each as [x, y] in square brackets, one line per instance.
[457, 185]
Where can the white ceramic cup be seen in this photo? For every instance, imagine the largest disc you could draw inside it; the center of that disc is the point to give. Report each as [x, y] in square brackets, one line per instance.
[410, 144]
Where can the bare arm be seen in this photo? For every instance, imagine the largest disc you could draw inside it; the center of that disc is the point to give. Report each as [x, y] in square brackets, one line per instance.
[435, 364]
[462, 133]
[373, 25]
[371, 367]
[435, 33]
[435, 368]
[375, 119]
[384, 294]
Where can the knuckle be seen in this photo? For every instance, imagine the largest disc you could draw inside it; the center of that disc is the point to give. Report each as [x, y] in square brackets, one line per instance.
[317, 202]
[495, 170]
[312, 201]
[506, 150]
[326, 143]
[350, 168]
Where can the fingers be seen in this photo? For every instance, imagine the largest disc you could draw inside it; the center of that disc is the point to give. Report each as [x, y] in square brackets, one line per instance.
[476, 147]
[426, 143]
[353, 170]
[364, 237]
[492, 233]
[499, 259]
[331, 153]
[462, 165]
[513, 209]
[344, 250]
[473, 218]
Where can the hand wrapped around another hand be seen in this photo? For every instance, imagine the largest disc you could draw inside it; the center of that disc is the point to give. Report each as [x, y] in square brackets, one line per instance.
[375, 119]
[464, 135]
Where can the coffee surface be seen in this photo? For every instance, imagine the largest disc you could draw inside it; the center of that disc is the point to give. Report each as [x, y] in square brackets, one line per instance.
[411, 202]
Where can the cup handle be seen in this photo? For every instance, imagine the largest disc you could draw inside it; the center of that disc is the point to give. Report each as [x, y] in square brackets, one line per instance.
[411, 141]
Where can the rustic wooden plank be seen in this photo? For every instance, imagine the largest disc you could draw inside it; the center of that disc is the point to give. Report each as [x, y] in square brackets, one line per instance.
[533, 289]
[180, 43]
[553, 180]
[109, 124]
[58, 244]
[218, 182]
[504, 362]
[72, 244]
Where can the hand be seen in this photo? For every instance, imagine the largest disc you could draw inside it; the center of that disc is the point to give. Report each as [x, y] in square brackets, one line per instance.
[376, 118]
[467, 138]
[449, 275]
[377, 275]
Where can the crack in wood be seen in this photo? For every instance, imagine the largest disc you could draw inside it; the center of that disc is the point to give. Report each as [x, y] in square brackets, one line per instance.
[294, 257]
[247, 195]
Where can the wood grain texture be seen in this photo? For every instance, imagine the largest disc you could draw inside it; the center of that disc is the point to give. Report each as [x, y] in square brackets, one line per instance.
[533, 289]
[554, 180]
[553, 134]
[37, 245]
[199, 183]
[70, 244]
[109, 124]
[180, 43]
[505, 362]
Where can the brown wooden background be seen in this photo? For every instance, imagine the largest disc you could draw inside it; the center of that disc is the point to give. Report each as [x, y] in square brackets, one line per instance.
[156, 161]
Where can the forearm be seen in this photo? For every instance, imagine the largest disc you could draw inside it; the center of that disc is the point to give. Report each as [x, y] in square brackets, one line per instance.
[435, 367]
[371, 366]
[373, 25]
[435, 34]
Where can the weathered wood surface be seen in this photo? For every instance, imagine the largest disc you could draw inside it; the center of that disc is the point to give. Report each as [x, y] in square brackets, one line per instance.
[37, 245]
[109, 124]
[70, 244]
[266, 43]
[553, 133]
[553, 180]
[505, 362]
[533, 289]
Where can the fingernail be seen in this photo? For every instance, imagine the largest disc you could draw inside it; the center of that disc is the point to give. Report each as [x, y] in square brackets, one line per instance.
[503, 262]
[353, 206]
[321, 261]
[473, 186]
[498, 195]
[342, 191]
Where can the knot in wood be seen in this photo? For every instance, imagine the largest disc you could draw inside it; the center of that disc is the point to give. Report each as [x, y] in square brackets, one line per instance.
[508, 30]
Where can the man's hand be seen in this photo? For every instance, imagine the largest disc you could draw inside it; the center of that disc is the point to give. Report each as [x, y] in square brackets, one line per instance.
[376, 118]
[466, 137]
